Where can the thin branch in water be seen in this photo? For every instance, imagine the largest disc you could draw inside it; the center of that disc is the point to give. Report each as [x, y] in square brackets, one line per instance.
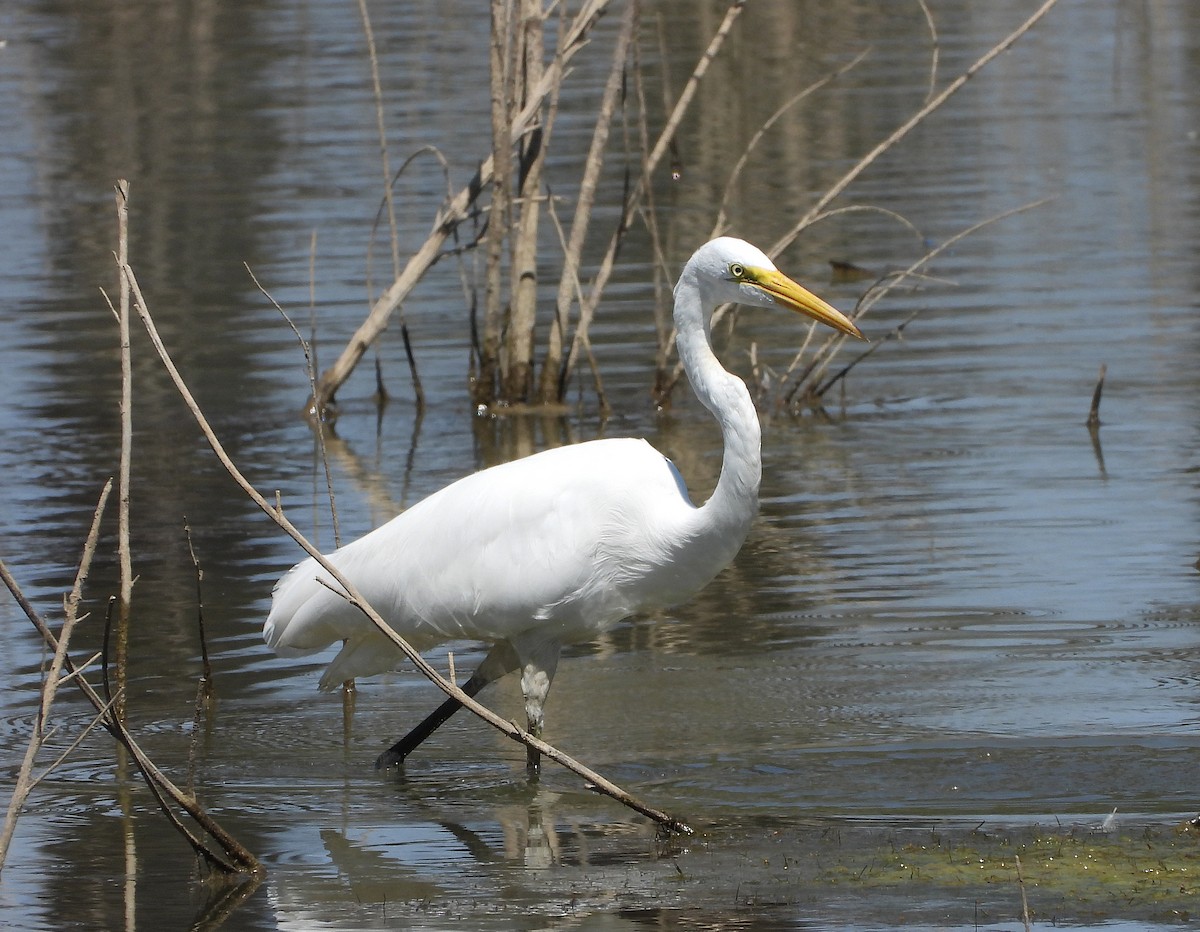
[124, 552]
[1093, 418]
[907, 126]
[389, 200]
[52, 679]
[550, 386]
[233, 857]
[735, 174]
[936, 49]
[355, 598]
[822, 359]
[204, 688]
[205, 663]
[311, 372]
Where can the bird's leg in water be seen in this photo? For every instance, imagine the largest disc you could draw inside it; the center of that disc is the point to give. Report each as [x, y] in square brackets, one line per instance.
[536, 676]
[500, 660]
[535, 684]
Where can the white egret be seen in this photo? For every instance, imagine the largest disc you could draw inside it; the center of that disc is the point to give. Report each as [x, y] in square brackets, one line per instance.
[557, 547]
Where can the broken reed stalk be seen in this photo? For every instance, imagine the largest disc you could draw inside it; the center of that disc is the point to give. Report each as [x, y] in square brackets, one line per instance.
[528, 58]
[907, 126]
[454, 212]
[1024, 899]
[809, 384]
[51, 680]
[569, 290]
[355, 598]
[232, 857]
[124, 555]
[389, 200]
[1093, 418]
[634, 197]
[818, 210]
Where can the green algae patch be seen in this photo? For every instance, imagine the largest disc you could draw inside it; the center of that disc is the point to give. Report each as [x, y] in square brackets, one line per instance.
[1154, 870]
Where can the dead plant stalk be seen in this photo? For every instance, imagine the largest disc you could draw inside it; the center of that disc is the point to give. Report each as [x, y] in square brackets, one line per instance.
[453, 213]
[50, 682]
[352, 595]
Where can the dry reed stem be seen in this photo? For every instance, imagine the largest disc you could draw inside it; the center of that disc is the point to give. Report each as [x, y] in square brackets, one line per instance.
[577, 288]
[1093, 418]
[233, 858]
[355, 598]
[124, 554]
[721, 223]
[500, 71]
[517, 364]
[822, 359]
[389, 200]
[633, 199]
[648, 212]
[453, 213]
[905, 128]
[551, 388]
[1024, 899]
[52, 679]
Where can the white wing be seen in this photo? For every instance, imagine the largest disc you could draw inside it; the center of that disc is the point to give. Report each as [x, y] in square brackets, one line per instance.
[581, 535]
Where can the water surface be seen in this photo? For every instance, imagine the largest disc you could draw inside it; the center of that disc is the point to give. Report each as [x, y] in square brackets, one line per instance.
[958, 608]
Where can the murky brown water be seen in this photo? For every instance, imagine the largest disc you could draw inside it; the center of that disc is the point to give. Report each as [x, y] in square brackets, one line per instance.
[956, 609]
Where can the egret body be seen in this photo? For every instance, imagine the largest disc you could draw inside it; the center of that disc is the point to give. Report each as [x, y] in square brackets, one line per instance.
[557, 547]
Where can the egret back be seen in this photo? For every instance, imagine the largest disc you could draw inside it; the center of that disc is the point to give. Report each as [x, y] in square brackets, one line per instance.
[558, 546]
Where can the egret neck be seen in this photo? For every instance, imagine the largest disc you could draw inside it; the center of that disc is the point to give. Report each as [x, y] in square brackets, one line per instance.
[727, 515]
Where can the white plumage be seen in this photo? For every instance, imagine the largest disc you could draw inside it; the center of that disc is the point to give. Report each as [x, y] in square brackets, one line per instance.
[557, 547]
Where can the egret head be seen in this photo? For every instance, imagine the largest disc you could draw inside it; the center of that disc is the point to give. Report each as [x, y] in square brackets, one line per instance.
[732, 270]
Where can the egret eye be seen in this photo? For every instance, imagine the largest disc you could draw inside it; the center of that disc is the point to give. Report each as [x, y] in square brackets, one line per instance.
[737, 270]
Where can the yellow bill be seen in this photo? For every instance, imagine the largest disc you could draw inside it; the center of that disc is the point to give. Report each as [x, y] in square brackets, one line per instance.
[792, 295]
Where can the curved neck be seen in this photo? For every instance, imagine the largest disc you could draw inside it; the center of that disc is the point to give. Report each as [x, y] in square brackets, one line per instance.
[734, 502]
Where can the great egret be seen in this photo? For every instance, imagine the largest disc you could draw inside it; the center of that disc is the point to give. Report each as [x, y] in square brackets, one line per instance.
[557, 547]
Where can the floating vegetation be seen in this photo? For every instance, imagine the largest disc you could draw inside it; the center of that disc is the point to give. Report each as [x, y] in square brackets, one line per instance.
[1151, 870]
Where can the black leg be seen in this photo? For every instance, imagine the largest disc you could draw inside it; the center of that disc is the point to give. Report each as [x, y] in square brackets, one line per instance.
[499, 661]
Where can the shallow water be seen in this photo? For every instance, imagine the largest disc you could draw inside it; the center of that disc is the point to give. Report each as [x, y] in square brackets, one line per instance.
[958, 608]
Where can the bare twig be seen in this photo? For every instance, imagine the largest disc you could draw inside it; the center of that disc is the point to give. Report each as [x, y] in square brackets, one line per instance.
[355, 598]
[1093, 418]
[633, 199]
[50, 683]
[232, 856]
[451, 215]
[310, 371]
[822, 359]
[568, 285]
[1024, 899]
[907, 126]
[388, 196]
[126, 411]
